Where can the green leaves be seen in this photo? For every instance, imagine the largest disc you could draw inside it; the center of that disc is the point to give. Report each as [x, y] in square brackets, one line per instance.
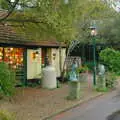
[111, 58]
[47, 19]
[54, 19]
[110, 30]
[4, 4]
[90, 11]
[7, 80]
[111, 80]
[5, 115]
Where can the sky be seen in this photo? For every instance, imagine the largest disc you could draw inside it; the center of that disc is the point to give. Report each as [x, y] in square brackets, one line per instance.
[115, 4]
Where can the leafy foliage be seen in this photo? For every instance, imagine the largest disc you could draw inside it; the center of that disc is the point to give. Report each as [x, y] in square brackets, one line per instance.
[5, 115]
[89, 65]
[111, 80]
[109, 30]
[53, 19]
[82, 69]
[4, 4]
[111, 58]
[50, 19]
[7, 80]
[93, 13]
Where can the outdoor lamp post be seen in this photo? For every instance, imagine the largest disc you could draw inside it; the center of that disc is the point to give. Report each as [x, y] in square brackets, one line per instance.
[93, 34]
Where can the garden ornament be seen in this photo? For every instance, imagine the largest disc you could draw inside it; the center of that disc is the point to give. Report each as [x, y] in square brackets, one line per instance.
[101, 68]
[73, 72]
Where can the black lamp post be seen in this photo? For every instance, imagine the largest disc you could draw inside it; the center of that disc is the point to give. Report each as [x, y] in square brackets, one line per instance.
[93, 34]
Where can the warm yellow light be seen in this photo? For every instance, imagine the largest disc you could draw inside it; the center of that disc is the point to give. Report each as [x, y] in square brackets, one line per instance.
[11, 57]
[93, 32]
[0, 54]
[7, 55]
[11, 49]
[35, 54]
[11, 62]
[14, 66]
[21, 59]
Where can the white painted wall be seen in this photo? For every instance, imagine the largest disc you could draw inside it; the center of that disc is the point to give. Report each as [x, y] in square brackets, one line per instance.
[33, 65]
[63, 56]
[56, 62]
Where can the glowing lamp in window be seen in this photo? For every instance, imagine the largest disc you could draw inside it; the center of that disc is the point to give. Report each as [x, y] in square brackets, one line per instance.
[21, 59]
[11, 57]
[14, 66]
[54, 56]
[35, 54]
[11, 49]
[7, 55]
[11, 62]
[0, 57]
[0, 54]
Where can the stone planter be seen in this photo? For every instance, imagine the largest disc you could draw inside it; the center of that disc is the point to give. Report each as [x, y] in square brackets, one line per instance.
[101, 82]
[74, 90]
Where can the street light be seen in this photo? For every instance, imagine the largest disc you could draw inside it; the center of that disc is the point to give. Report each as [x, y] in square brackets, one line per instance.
[93, 34]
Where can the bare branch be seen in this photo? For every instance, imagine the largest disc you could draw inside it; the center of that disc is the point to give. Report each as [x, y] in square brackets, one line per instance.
[10, 11]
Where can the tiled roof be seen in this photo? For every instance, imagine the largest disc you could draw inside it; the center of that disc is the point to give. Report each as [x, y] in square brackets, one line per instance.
[47, 43]
[2, 13]
[8, 36]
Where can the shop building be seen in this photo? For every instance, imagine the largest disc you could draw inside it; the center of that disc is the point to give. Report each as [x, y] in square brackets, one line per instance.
[27, 57]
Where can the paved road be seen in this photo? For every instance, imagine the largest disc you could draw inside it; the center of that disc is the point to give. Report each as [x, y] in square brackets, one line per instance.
[97, 109]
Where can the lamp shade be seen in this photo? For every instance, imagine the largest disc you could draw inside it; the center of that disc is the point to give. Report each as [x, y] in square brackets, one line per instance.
[93, 32]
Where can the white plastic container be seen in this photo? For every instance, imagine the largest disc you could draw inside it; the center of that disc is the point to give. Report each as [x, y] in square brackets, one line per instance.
[49, 77]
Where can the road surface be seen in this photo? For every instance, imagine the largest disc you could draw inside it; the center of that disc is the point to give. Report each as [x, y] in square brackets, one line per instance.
[97, 109]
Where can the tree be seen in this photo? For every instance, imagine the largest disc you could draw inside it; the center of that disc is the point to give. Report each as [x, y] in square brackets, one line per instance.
[109, 30]
[93, 11]
[48, 19]
[9, 6]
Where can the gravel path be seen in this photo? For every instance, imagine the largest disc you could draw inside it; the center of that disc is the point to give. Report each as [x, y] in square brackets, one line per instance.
[38, 103]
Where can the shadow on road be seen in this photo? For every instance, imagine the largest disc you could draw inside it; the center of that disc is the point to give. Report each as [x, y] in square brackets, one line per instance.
[114, 116]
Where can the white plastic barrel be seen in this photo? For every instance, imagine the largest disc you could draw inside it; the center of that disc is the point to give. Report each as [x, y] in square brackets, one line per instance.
[49, 77]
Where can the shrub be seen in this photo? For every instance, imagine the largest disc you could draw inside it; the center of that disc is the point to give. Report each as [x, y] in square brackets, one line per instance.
[89, 65]
[7, 80]
[4, 115]
[111, 80]
[111, 58]
[82, 69]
